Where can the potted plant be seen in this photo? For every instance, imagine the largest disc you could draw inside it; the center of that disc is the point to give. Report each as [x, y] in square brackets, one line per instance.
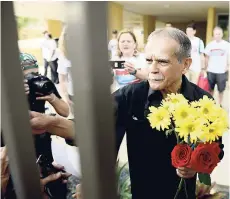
[204, 192]
[123, 181]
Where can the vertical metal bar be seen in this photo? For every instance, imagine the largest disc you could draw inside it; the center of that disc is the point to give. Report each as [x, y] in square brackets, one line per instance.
[87, 50]
[15, 118]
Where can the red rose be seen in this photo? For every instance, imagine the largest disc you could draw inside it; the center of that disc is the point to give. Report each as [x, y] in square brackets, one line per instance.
[181, 155]
[205, 157]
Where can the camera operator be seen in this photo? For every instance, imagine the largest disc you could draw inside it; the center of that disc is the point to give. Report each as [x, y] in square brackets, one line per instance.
[30, 70]
[40, 89]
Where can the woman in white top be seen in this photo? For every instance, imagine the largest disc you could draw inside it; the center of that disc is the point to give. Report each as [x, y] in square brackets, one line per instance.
[135, 63]
[63, 70]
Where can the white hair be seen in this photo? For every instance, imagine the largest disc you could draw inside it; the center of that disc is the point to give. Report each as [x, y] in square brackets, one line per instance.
[179, 36]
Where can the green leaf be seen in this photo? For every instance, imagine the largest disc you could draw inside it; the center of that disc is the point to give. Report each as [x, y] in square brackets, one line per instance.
[169, 132]
[205, 178]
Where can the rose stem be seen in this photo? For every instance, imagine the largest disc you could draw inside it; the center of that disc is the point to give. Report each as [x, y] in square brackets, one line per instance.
[181, 180]
[179, 188]
[185, 189]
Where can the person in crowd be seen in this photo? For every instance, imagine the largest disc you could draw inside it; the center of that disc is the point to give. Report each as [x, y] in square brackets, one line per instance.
[168, 52]
[135, 64]
[65, 77]
[49, 47]
[30, 67]
[36, 102]
[197, 54]
[217, 62]
[7, 190]
[112, 46]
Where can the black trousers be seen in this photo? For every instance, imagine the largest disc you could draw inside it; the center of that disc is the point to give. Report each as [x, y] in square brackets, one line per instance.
[53, 66]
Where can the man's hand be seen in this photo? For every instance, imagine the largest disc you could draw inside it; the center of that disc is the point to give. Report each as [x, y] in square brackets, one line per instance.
[129, 67]
[50, 98]
[51, 178]
[78, 194]
[185, 172]
[27, 89]
[39, 122]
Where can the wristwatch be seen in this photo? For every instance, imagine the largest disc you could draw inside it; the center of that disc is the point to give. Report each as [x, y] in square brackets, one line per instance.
[134, 72]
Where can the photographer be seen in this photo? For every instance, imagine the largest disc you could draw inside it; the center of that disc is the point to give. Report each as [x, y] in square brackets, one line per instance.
[37, 100]
[40, 89]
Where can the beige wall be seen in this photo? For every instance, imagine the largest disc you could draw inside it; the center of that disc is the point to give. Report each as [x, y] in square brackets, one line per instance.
[115, 18]
[201, 29]
[54, 27]
[149, 26]
[211, 23]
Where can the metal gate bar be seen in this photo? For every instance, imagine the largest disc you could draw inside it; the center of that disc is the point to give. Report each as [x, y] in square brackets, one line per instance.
[15, 118]
[87, 50]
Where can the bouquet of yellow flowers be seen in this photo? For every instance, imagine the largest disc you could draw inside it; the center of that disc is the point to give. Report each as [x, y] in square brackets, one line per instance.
[197, 126]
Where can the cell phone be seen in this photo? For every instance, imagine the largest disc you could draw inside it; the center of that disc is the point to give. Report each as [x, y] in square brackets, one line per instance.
[117, 64]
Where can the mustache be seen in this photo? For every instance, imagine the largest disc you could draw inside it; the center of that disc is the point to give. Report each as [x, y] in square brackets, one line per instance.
[155, 77]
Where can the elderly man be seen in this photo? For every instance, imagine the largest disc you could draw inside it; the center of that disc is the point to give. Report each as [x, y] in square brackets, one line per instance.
[149, 151]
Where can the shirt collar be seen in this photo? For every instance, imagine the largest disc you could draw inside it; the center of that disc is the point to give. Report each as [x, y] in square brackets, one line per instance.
[186, 89]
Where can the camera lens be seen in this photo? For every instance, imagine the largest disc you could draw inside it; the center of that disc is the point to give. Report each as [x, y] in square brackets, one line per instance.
[46, 87]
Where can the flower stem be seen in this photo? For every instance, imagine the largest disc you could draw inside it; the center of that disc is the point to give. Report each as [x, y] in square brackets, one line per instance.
[177, 137]
[185, 189]
[179, 188]
[181, 180]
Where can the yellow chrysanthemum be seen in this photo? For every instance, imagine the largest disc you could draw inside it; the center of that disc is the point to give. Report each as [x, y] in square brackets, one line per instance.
[184, 113]
[220, 117]
[173, 100]
[159, 118]
[176, 98]
[194, 104]
[168, 106]
[211, 132]
[224, 120]
[189, 128]
[206, 108]
[206, 100]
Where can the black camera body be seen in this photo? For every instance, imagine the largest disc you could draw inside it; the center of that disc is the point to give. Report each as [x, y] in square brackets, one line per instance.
[39, 85]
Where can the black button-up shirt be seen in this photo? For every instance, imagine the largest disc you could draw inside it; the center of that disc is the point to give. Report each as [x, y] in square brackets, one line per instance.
[149, 151]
